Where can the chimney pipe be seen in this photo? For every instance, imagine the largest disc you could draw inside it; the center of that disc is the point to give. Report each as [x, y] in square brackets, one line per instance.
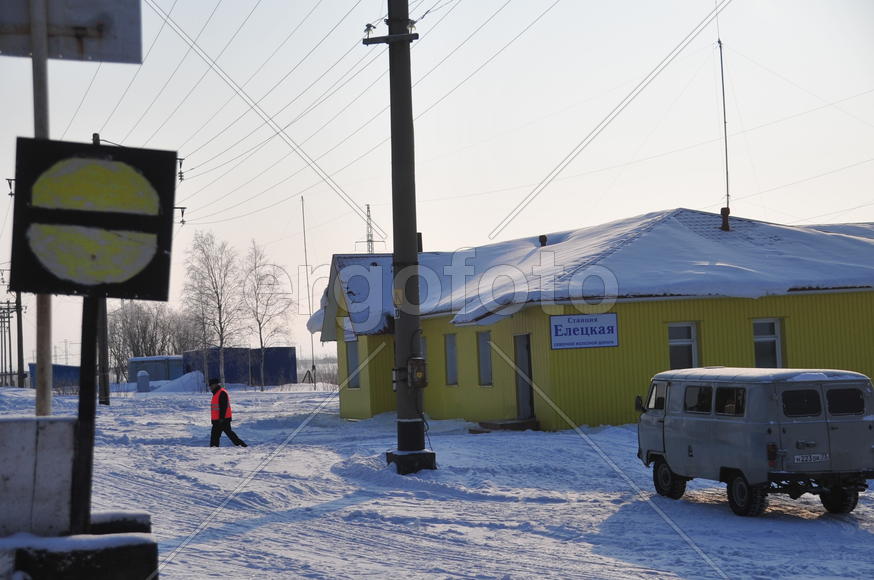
[542, 240]
[724, 212]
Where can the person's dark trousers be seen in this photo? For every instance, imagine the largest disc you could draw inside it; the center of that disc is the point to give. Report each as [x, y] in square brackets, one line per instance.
[220, 426]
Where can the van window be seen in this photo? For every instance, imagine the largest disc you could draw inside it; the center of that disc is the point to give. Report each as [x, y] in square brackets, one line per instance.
[730, 401]
[845, 402]
[801, 403]
[657, 396]
[698, 399]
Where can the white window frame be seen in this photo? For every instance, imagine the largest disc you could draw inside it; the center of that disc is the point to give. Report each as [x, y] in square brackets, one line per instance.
[692, 341]
[776, 338]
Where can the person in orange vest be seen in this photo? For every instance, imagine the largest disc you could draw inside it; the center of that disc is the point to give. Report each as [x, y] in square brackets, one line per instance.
[221, 415]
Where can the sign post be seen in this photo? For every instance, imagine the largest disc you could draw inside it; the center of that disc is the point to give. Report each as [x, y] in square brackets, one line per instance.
[97, 222]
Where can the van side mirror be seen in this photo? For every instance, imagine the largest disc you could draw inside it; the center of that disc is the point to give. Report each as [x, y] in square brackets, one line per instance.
[638, 404]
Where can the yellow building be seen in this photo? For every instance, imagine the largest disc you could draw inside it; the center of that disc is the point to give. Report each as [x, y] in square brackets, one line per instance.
[567, 328]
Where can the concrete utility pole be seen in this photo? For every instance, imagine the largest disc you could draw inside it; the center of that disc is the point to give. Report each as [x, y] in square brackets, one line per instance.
[411, 455]
[39, 59]
[18, 311]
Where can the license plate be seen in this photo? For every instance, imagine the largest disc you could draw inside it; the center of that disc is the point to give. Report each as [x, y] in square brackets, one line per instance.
[811, 458]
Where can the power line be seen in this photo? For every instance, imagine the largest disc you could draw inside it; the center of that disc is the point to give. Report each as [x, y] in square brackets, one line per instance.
[298, 96]
[173, 74]
[137, 73]
[252, 104]
[377, 145]
[810, 178]
[279, 82]
[254, 74]
[84, 96]
[607, 120]
[325, 95]
[253, 150]
[203, 75]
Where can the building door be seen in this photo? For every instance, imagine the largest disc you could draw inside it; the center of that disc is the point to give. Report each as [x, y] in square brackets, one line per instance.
[524, 390]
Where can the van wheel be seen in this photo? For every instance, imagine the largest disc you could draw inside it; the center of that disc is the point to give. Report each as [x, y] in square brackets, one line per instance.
[840, 500]
[666, 482]
[745, 499]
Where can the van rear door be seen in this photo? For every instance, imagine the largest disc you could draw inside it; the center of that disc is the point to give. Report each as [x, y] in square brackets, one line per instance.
[851, 428]
[804, 433]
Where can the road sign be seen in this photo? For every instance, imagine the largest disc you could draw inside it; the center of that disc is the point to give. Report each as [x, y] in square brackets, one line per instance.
[92, 220]
[99, 30]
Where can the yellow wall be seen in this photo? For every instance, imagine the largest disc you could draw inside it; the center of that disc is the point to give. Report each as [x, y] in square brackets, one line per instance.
[597, 385]
[374, 395]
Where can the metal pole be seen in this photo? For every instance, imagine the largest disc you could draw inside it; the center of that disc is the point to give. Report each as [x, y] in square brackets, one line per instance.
[20, 339]
[724, 121]
[39, 59]
[102, 332]
[306, 266]
[83, 460]
[411, 455]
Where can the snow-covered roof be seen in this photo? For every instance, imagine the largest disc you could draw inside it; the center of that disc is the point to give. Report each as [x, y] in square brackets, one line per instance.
[678, 252]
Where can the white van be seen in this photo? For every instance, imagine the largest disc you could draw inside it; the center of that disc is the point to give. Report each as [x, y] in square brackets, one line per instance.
[760, 431]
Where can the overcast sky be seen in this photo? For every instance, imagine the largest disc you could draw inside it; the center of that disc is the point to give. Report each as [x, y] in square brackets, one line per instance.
[504, 91]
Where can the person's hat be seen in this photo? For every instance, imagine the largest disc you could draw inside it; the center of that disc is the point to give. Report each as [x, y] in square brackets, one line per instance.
[213, 382]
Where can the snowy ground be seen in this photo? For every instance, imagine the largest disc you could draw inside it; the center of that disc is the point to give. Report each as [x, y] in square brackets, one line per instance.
[312, 497]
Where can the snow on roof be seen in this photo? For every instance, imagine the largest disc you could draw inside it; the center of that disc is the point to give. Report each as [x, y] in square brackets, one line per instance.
[677, 252]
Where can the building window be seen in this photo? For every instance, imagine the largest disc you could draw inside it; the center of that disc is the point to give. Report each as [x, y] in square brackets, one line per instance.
[354, 380]
[484, 356]
[683, 345]
[451, 357]
[766, 340]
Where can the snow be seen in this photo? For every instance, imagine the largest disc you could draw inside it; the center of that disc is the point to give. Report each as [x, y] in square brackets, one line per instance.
[321, 502]
[678, 252]
[72, 543]
[187, 383]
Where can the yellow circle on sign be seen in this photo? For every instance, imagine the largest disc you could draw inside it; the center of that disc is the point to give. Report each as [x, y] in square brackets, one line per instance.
[93, 255]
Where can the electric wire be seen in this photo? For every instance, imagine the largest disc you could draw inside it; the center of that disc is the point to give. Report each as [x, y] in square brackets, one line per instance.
[361, 127]
[173, 74]
[805, 179]
[203, 75]
[799, 87]
[251, 76]
[249, 152]
[84, 96]
[325, 177]
[319, 100]
[137, 72]
[838, 212]
[593, 134]
[278, 83]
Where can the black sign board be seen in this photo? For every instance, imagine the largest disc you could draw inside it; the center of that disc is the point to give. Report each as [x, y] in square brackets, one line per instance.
[92, 220]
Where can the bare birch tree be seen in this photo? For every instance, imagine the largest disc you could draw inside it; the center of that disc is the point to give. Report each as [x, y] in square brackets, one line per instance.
[212, 292]
[267, 298]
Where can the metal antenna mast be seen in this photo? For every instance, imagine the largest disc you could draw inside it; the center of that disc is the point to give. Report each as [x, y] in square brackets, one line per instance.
[727, 209]
[369, 231]
[306, 265]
